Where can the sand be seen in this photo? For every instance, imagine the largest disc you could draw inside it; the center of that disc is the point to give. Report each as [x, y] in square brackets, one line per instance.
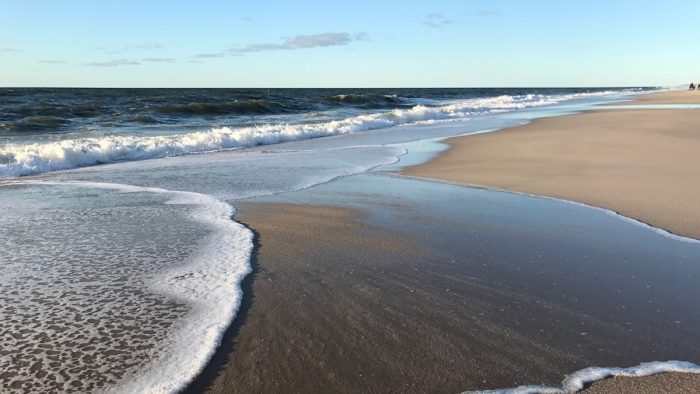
[668, 97]
[336, 304]
[664, 383]
[341, 303]
[641, 163]
[363, 310]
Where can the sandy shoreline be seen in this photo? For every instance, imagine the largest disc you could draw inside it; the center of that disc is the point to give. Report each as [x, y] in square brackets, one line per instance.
[340, 304]
[667, 97]
[365, 309]
[336, 304]
[663, 383]
[324, 319]
[640, 163]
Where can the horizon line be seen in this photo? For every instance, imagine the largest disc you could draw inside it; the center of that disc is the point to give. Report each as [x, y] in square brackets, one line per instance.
[342, 87]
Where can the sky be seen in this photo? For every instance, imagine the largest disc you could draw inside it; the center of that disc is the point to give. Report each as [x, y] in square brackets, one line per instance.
[373, 43]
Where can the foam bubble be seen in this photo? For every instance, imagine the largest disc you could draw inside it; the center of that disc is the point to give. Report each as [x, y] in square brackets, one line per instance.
[578, 380]
[208, 283]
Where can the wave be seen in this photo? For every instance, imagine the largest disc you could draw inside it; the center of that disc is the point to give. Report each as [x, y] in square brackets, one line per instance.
[579, 379]
[249, 107]
[35, 123]
[28, 159]
[370, 100]
[209, 282]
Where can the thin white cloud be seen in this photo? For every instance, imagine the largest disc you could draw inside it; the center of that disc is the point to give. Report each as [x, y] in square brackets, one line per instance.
[209, 55]
[247, 19]
[158, 60]
[131, 62]
[9, 50]
[52, 61]
[437, 20]
[128, 48]
[114, 63]
[360, 36]
[303, 42]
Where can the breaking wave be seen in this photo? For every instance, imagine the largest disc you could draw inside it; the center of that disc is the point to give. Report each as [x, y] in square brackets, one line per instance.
[249, 107]
[28, 159]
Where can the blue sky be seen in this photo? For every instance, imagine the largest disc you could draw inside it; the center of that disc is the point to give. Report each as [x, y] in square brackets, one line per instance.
[377, 43]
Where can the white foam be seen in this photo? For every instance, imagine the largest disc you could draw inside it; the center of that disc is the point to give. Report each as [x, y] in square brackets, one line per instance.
[27, 159]
[209, 283]
[578, 380]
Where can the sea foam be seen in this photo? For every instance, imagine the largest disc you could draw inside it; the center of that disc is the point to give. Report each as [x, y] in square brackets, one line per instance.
[208, 283]
[27, 159]
[579, 379]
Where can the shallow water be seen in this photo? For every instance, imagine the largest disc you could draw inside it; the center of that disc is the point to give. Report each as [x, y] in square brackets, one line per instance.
[77, 309]
[587, 288]
[177, 244]
[44, 130]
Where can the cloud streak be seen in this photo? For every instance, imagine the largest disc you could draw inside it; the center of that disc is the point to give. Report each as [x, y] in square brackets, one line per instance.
[114, 63]
[131, 62]
[438, 21]
[52, 61]
[209, 55]
[303, 42]
[9, 50]
[158, 60]
[488, 13]
[129, 48]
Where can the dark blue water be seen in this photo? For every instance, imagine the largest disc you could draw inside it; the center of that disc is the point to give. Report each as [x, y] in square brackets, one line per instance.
[39, 110]
[45, 130]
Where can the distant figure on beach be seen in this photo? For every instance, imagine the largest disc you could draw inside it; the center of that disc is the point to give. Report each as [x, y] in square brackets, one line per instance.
[691, 86]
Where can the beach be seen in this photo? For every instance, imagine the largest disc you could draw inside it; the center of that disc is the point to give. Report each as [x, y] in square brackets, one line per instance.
[666, 383]
[426, 197]
[361, 279]
[379, 306]
[668, 97]
[638, 162]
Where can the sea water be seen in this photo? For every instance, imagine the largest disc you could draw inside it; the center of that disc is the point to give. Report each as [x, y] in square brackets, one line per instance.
[120, 263]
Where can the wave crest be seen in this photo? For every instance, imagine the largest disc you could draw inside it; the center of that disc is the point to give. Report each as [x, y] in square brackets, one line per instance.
[27, 159]
[370, 100]
[249, 107]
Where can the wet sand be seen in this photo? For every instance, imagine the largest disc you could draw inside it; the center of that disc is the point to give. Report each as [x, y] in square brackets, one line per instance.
[665, 383]
[339, 303]
[641, 163]
[363, 310]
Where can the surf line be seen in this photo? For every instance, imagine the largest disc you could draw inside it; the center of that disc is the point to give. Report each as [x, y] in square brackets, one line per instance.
[209, 282]
[579, 379]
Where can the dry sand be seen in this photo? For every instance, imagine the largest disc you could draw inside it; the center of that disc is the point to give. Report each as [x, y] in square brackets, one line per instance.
[668, 97]
[642, 163]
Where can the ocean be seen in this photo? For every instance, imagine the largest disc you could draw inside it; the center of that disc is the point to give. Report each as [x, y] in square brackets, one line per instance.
[120, 263]
[54, 129]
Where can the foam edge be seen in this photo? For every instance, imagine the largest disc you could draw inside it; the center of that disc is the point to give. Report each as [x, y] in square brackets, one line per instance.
[580, 379]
